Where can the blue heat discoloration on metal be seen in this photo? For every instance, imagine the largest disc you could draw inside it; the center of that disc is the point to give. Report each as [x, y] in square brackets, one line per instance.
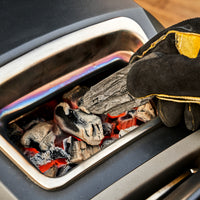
[55, 85]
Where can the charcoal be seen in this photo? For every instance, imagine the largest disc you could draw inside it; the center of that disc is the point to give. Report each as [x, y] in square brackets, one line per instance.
[126, 121]
[33, 123]
[75, 94]
[145, 112]
[87, 127]
[111, 95]
[56, 129]
[43, 158]
[107, 128]
[15, 132]
[127, 130]
[75, 152]
[80, 151]
[63, 170]
[41, 134]
[107, 142]
[51, 172]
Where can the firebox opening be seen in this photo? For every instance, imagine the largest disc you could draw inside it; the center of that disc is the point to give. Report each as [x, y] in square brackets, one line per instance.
[44, 75]
[49, 135]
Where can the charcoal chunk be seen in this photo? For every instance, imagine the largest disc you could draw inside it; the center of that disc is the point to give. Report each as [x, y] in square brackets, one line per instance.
[145, 112]
[81, 151]
[63, 170]
[111, 95]
[42, 134]
[73, 96]
[51, 172]
[85, 126]
[107, 142]
[43, 158]
[107, 128]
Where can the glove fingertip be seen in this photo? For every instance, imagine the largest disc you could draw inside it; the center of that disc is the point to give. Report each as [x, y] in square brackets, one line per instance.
[170, 113]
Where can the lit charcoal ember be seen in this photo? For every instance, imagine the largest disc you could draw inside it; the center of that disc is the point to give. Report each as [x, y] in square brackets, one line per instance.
[30, 152]
[107, 142]
[127, 130]
[43, 158]
[126, 121]
[52, 172]
[42, 134]
[80, 151]
[73, 96]
[87, 127]
[145, 112]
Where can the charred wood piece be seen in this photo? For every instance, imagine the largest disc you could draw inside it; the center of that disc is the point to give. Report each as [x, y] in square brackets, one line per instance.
[52, 172]
[107, 128]
[145, 112]
[42, 134]
[73, 96]
[107, 142]
[63, 170]
[32, 123]
[87, 127]
[42, 158]
[111, 95]
[80, 151]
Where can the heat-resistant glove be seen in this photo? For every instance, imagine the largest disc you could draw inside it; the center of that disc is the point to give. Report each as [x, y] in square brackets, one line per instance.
[173, 76]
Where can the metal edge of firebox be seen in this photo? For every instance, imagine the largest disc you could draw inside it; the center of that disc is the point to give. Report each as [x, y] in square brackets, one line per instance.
[45, 51]
[54, 183]
[32, 58]
[31, 98]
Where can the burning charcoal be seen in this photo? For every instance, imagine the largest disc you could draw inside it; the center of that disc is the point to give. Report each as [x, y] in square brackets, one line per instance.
[30, 152]
[43, 158]
[127, 130]
[145, 112]
[126, 121]
[51, 172]
[87, 127]
[107, 142]
[80, 151]
[41, 134]
[63, 170]
[74, 95]
[111, 95]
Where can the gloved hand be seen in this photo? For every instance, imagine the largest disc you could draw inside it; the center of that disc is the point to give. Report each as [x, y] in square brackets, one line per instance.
[172, 76]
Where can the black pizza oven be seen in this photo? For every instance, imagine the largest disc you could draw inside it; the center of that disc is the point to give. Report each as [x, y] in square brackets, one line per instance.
[47, 48]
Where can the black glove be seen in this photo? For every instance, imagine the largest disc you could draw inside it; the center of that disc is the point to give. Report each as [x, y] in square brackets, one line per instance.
[172, 76]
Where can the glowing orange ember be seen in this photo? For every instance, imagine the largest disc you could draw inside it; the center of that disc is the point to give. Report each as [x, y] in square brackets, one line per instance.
[58, 162]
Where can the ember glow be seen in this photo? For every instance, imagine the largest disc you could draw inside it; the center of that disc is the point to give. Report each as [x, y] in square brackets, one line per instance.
[73, 135]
